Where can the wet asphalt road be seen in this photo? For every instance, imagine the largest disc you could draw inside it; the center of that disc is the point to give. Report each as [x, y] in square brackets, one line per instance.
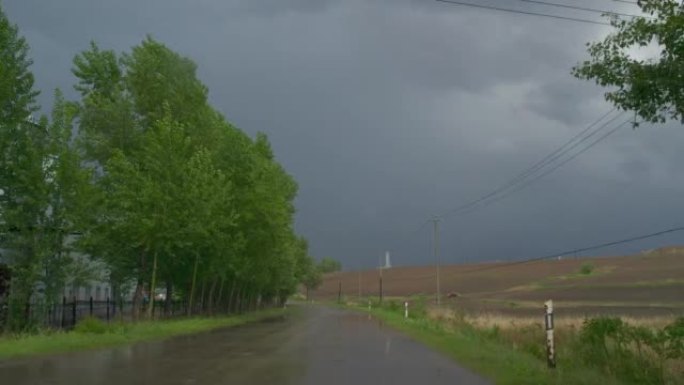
[314, 345]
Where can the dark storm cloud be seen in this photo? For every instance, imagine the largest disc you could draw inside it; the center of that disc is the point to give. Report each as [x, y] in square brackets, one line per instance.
[275, 7]
[565, 99]
[387, 112]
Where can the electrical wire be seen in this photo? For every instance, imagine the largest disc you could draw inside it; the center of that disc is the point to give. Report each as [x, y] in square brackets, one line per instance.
[585, 9]
[549, 171]
[530, 170]
[501, 9]
[568, 146]
[580, 250]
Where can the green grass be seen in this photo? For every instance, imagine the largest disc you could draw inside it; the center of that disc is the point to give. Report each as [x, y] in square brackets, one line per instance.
[119, 334]
[481, 352]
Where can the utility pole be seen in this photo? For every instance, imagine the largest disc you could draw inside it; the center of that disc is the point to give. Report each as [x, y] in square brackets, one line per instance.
[435, 243]
[381, 285]
[359, 284]
[380, 277]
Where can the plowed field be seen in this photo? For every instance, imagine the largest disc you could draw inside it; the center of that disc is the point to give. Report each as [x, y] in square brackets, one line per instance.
[650, 283]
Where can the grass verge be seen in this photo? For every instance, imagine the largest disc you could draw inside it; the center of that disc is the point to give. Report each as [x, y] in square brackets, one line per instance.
[118, 334]
[482, 353]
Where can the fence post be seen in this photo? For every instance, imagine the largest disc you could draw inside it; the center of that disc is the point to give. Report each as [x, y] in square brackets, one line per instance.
[107, 309]
[73, 312]
[339, 293]
[62, 324]
[90, 305]
[406, 309]
[550, 349]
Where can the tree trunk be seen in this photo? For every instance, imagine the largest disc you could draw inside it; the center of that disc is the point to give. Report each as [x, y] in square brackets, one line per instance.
[220, 295]
[210, 299]
[192, 286]
[238, 301]
[202, 301]
[169, 298]
[153, 286]
[248, 302]
[231, 298]
[137, 300]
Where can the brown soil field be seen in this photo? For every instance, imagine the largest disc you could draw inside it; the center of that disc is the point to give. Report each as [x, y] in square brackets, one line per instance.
[649, 283]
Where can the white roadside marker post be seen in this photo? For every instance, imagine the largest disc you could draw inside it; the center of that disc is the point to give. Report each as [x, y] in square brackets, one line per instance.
[406, 309]
[550, 349]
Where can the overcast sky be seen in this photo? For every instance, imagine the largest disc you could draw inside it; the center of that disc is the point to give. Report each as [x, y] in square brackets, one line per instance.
[389, 111]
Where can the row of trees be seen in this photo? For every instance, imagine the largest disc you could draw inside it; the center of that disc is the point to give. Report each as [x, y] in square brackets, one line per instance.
[142, 174]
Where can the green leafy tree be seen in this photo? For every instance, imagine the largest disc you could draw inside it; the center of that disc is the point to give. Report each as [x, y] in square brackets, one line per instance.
[68, 190]
[652, 88]
[329, 265]
[310, 275]
[17, 96]
[40, 179]
[181, 197]
[23, 187]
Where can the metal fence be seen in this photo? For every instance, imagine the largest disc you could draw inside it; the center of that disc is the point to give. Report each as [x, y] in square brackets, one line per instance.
[69, 312]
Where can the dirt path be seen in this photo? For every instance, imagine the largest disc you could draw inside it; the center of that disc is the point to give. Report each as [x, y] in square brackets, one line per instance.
[314, 345]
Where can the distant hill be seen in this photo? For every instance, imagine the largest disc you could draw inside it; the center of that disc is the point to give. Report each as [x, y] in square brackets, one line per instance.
[651, 281]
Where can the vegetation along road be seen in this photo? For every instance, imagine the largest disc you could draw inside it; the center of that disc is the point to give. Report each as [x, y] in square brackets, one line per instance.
[313, 345]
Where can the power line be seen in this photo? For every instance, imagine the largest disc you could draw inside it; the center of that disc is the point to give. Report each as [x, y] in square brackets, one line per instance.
[547, 172]
[579, 8]
[417, 230]
[564, 149]
[582, 249]
[491, 7]
[530, 170]
[568, 146]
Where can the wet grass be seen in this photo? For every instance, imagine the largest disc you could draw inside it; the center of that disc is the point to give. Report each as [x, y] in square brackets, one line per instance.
[483, 353]
[117, 334]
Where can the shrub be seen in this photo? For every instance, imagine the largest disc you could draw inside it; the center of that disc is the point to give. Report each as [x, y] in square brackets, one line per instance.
[673, 335]
[91, 325]
[587, 269]
[493, 332]
[535, 349]
[632, 353]
[418, 307]
[393, 306]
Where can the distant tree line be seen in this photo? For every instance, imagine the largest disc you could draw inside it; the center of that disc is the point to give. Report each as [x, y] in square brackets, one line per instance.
[313, 276]
[143, 174]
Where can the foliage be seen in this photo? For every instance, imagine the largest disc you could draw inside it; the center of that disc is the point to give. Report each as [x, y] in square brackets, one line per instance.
[486, 353]
[586, 269]
[91, 325]
[4, 280]
[23, 188]
[652, 88]
[604, 350]
[634, 354]
[185, 198]
[117, 334]
[161, 190]
[17, 96]
[329, 265]
[311, 276]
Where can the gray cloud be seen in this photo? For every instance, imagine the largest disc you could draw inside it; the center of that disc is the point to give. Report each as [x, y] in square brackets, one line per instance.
[389, 111]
